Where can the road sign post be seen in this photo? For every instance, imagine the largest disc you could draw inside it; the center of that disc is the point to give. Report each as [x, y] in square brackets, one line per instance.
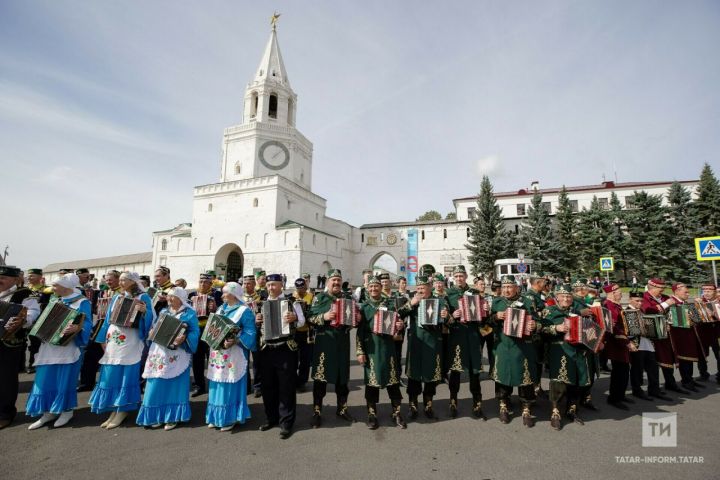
[607, 265]
[707, 249]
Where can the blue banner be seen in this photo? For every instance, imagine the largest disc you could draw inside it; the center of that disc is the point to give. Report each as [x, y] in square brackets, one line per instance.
[412, 255]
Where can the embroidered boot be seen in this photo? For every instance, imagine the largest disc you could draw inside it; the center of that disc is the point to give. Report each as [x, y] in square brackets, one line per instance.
[477, 407]
[504, 412]
[555, 420]
[397, 416]
[316, 420]
[372, 421]
[429, 412]
[453, 406]
[413, 408]
[528, 419]
[342, 410]
[572, 415]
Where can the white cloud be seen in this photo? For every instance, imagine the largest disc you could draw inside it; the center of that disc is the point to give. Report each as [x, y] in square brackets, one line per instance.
[489, 166]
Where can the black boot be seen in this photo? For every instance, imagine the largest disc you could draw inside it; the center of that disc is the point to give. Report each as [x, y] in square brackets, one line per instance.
[372, 421]
[528, 419]
[342, 410]
[504, 412]
[429, 412]
[397, 416]
[477, 407]
[413, 410]
[555, 419]
[573, 416]
[453, 406]
[316, 420]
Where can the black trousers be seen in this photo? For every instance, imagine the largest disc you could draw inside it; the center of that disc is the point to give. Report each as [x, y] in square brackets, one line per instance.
[686, 371]
[198, 364]
[398, 357]
[454, 384]
[320, 390]
[372, 394]
[641, 362]
[669, 376]
[279, 373]
[488, 341]
[703, 363]
[90, 366]
[11, 358]
[305, 354]
[33, 348]
[619, 377]
[415, 388]
[560, 391]
[525, 392]
[256, 370]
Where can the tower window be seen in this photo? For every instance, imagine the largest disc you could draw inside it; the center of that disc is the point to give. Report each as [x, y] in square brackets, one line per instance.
[444, 233]
[238, 168]
[253, 105]
[422, 234]
[255, 202]
[209, 207]
[272, 113]
[290, 119]
[163, 244]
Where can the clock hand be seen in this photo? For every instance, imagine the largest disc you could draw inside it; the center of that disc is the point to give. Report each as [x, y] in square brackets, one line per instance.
[278, 153]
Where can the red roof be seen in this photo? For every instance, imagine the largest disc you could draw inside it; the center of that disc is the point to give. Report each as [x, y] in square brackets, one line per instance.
[609, 185]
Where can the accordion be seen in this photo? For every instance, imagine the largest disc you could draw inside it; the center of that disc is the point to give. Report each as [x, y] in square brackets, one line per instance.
[156, 296]
[518, 323]
[681, 316]
[633, 318]
[584, 331]
[400, 302]
[706, 311]
[51, 323]
[429, 312]
[218, 329]
[654, 326]
[103, 304]
[384, 322]
[347, 313]
[125, 312]
[204, 304]
[274, 325]
[473, 308]
[7, 311]
[603, 317]
[166, 330]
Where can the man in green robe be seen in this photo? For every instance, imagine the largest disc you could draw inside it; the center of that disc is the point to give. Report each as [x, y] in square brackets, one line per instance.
[535, 295]
[331, 354]
[464, 348]
[570, 365]
[581, 307]
[514, 357]
[376, 353]
[423, 364]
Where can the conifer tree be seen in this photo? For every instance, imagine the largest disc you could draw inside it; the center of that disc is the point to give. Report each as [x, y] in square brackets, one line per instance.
[486, 241]
[537, 237]
[565, 237]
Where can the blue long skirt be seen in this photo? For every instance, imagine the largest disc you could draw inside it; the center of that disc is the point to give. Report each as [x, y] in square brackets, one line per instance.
[227, 403]
[54, 389]
[118, 389]
[166, 400]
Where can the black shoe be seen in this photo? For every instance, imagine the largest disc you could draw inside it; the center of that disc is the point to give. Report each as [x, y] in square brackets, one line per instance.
[343, 413]
[628, 400]
[257, 393]
[430, 413]
[267, 426]
[555, 421]
[399, 420]
[316, 420]
[662, 396]
[413, 411]
[84, 388]
[453, 409]
[590, 406]
[675, 389]
[197, 392]
[642, 396]
[698, 385]
[704, 377]
[619, 405]
[690, 387]
[573, 417]
[372, 422]
[285, 433]
[478, 412]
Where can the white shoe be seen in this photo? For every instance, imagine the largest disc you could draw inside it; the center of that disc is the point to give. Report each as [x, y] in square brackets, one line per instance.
[210, 425]
[170, 426]
[46, 417]
[63, 419]
[117, 420]
[108, 421]
[227, 428]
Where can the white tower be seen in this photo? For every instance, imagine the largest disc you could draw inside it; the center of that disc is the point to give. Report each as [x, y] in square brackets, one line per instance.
[267, 142]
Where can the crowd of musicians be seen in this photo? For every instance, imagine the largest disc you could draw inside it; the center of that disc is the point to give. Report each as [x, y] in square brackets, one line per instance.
[128, 371]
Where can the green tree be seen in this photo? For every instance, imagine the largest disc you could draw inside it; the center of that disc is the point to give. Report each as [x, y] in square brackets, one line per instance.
[618, 241]
[565, 237]
[594, 227]
[650, 236]
[706, 215]
[537, 237]
[451, 216]
[429, 215]
[486, 241]
[681, 250]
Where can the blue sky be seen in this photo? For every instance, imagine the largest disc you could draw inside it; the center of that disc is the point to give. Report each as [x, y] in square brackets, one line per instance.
[110, 112]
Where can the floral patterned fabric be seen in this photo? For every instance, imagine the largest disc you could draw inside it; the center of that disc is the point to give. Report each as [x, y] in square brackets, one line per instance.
[123, 346]
[227, 365]
[165, 363]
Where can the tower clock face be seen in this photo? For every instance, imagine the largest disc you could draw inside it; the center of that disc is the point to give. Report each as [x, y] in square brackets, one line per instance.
[274, 155]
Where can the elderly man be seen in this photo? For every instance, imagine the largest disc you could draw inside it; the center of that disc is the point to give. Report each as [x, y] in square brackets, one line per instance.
[303, 335]
[685, 341]
[205, 300]
[12, 345]
[709, 333]
[618, 348]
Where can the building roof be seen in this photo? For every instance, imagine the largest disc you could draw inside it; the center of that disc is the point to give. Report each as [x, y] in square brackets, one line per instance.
[292, 224]
[133, 258]
[609, 185]
[413, 224]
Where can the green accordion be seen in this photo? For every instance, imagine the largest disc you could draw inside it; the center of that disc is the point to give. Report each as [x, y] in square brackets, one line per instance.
[167, 328]
[218, 329]
[52, 322]
[680, 316]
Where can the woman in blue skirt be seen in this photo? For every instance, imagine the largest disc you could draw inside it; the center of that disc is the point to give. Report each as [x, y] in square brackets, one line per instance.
[167, 392]
[118, 389]
[227, 393]
[57, 367]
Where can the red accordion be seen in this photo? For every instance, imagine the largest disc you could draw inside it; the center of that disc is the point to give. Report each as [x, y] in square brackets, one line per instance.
[518, 323]
[473, 308]
[603, 317]
[583, 331]
[347, 313]
[204, 304]
[384, 322]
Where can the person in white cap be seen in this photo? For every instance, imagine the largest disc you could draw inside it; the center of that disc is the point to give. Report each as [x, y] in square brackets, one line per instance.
[118, 389]
[58, 367]
[227, 367]
[167, 392]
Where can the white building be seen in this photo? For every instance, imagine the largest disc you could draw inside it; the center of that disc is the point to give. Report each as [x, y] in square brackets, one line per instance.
[262, 214]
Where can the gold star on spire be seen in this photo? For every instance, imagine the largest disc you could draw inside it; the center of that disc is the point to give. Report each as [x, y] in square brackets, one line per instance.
[274, 19]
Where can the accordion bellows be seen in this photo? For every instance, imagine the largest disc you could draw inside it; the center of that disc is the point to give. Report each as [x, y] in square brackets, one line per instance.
[51, 323]
[7, 311]
[473, 308]
[347, 313]
[584, 331]
[274, 325]
[429, 312]
[518, 323]
[166, 330]
[384, 322]
[218, 329]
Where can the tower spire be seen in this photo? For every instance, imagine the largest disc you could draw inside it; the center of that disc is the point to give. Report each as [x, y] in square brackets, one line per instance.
[271, 66]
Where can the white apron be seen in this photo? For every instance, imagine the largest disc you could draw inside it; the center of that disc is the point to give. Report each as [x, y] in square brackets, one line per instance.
[123, 346]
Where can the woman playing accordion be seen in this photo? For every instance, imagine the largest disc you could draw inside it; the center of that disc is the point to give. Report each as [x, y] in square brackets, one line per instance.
[227, 368]
[118, 389]
[167, 369]
[58, 366]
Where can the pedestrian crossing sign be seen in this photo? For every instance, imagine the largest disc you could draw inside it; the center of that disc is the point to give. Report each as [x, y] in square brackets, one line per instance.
[607, 264]
[707, 248]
